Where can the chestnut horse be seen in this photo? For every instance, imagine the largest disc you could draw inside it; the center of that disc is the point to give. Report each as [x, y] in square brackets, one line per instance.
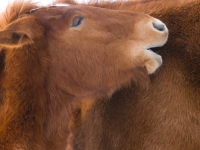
[167, 115]
[53, 57]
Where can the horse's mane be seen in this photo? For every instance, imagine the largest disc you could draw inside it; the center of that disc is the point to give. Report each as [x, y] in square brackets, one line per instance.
[14, 10]
[144, 6]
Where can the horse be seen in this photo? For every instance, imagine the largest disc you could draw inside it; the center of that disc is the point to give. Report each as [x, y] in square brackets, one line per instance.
[166, 116]
[53, 57]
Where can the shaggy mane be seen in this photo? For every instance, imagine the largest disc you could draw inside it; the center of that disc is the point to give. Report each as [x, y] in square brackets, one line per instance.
[148, 6]
[14, 10]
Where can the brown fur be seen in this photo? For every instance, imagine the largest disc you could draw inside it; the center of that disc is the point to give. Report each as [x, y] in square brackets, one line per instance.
[167, 116]
[47, 66]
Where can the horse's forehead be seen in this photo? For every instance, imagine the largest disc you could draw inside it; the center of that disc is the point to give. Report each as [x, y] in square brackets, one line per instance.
[49, 7]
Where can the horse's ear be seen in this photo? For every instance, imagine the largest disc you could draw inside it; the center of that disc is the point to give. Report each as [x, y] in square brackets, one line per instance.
[13, 39]
[21, 32]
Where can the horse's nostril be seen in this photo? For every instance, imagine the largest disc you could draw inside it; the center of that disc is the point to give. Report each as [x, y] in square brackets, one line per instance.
[159, 26]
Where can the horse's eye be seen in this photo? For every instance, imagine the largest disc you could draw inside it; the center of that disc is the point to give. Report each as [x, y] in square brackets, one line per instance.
[77, 21]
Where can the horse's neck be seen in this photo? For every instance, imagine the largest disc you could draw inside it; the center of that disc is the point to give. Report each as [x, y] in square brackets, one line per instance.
[32, 115]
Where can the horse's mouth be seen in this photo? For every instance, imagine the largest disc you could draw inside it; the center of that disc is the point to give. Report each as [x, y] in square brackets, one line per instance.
[152, 60]
[149, 49]
[154, 49]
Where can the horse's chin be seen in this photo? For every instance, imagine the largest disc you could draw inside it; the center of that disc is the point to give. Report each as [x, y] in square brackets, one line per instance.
[152, 61]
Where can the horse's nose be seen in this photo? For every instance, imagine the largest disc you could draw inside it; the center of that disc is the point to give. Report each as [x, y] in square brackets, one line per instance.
[159, 26]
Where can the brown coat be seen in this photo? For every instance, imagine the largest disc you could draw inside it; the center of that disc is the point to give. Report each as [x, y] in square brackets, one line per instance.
[53, 57]
[167, 115]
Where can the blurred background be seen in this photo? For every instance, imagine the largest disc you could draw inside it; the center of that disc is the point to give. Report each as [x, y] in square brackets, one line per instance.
[4, 3]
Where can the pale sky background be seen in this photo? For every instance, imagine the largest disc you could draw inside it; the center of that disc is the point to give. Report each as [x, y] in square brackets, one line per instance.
[4, 3]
